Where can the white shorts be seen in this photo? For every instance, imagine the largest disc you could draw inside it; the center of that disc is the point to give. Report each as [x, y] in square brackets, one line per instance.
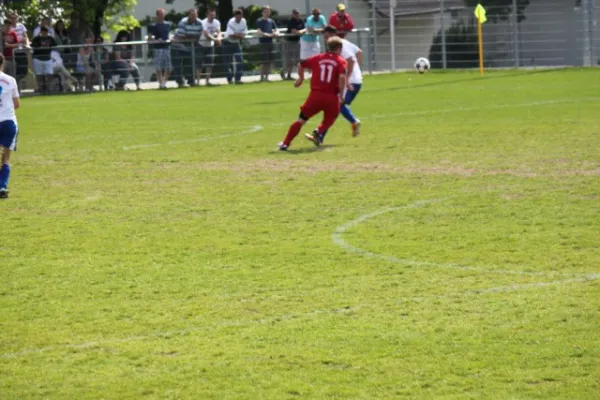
[42, 67]
[309, 49]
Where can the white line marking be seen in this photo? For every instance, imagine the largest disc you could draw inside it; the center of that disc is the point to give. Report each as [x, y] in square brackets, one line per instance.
[256, 128]
[253, 129]
[481, 108]
[491, 107]
[338, 240]
[505, 289]
[279, 318]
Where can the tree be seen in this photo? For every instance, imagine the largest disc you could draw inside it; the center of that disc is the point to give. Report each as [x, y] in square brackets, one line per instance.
[91, 14]
[500, 10]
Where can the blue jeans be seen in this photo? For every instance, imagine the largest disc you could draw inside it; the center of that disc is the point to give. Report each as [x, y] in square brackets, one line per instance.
[235, 61]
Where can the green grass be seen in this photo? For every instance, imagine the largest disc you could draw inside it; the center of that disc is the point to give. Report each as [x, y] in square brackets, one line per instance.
[205, 268]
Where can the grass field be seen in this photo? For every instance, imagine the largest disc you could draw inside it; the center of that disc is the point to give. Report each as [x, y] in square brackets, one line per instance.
[156, 245]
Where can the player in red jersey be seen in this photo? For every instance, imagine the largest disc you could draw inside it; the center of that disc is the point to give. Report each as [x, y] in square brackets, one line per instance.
[326, 89]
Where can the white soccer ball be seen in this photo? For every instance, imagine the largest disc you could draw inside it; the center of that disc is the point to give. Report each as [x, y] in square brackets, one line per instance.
[422, 65]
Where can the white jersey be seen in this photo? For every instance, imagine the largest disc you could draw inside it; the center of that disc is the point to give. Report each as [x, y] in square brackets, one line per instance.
[8, 91]
[350, 50]
[234, 27]
[212, 28]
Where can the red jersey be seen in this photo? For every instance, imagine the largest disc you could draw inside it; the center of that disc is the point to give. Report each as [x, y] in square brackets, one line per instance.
[343, 24]
[11, 38]
[326, 71]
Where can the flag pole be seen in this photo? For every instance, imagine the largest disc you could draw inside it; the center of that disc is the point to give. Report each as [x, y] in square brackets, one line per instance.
[480, 14]
[480, 35]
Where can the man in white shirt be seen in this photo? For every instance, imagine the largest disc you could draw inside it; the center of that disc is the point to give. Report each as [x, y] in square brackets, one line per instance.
[211, 37]
[354, 56]
[9, 102]
[47, 22]
[237, 29]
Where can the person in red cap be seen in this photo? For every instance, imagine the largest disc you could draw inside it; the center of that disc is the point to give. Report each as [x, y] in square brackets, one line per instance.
[342, 21]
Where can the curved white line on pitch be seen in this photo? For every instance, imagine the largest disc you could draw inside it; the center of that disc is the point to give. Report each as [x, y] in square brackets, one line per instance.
[254, 129]
[337, 238]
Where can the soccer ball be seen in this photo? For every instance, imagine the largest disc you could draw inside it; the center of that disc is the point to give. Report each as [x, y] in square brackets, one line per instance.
[422, 65]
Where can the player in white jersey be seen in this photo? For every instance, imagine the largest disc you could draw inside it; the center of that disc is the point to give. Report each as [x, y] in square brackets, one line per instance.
[354, 56]
[9, 102]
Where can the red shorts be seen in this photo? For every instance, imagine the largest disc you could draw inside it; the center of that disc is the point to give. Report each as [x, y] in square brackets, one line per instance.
[316, 102]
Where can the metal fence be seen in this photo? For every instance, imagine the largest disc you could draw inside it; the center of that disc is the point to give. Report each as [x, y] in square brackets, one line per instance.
[544, 33]
[392, 35]
[131, 65]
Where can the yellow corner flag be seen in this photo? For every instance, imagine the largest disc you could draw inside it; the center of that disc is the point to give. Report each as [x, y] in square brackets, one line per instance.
[481, 18]
[480, 13]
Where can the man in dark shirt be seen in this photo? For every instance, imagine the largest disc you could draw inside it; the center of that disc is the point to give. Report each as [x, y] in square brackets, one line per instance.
[158, 34]
[267, 30]
[42, 64]
[295, 29]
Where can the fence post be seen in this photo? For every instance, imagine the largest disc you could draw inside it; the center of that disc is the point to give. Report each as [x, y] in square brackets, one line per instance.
[145, 50]
[281, 43]
[593, 28]
[443, 30]
[393, 34]
[586, 33]
[193, 64]
[373, 57]
[308, 10]
[516, 44]
[370, 55]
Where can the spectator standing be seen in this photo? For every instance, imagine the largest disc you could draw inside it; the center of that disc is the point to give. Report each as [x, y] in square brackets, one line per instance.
[158, 34]
[124, 61]
[19, 29]
[11, 41]
[47, 22]
[85, 63]
[211, 38]
[22, 59]
[295, 29]
[237, 29]
[267, 30]
[309, 43]
[342, 21]
[189, 31]
[42, 65]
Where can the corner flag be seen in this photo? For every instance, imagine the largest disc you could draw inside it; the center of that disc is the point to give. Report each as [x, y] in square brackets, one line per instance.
[481, 18]
[480, 14]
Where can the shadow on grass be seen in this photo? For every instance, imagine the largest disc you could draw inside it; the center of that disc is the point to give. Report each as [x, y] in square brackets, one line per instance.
[305, 150]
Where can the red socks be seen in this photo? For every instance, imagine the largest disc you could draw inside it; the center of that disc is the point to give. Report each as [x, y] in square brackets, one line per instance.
[292, 133]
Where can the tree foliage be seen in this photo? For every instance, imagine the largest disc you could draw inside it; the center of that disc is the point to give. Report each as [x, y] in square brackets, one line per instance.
[92, 14]
[500, 10]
